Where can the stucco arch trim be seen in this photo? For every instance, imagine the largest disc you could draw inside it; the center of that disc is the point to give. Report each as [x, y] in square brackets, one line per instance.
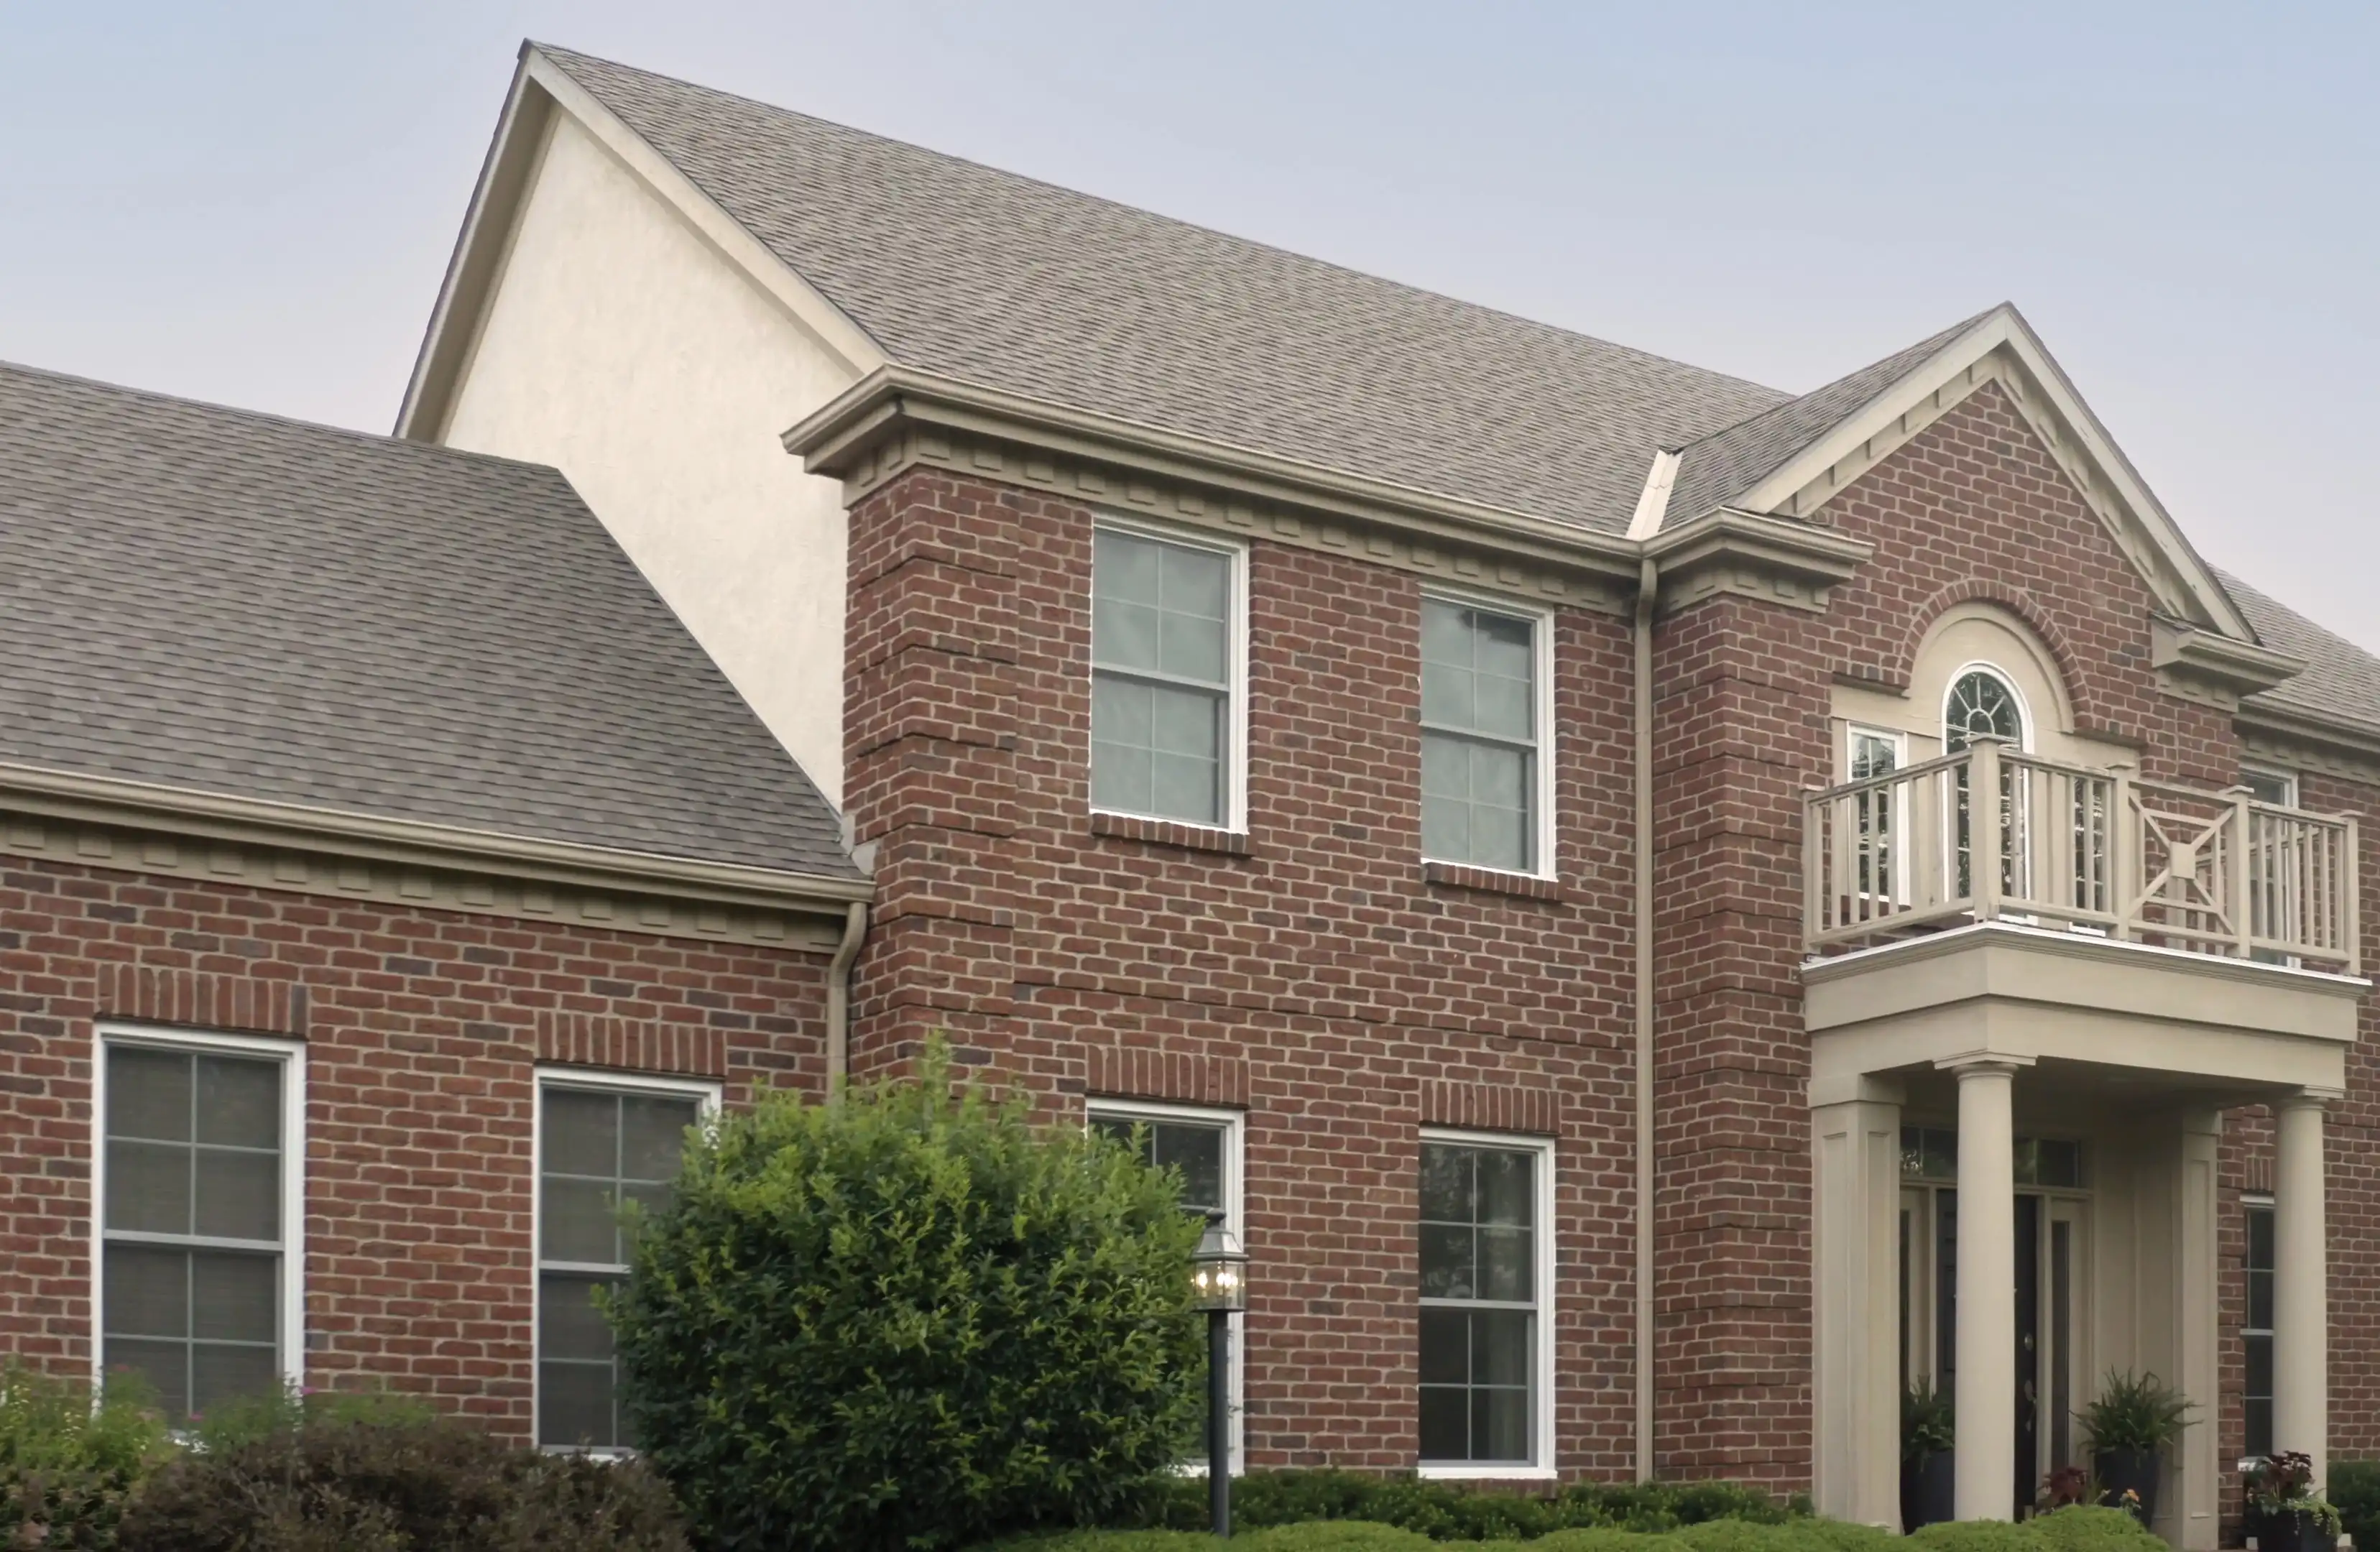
[2027, 623]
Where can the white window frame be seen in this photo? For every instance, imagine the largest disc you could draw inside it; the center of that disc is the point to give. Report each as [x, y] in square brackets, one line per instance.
[1233, 1125]
[2025, 729]
[2288, 778]
[1234, 764]
[291, 1054]
[1541, 669]
[1853, 734]
[2253, 1202]
[705, 1092]
[1542, 1466]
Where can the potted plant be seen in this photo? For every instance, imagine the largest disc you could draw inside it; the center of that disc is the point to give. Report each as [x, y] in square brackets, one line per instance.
[2129, 1427]
[1928, 1475]
[2284, 1512]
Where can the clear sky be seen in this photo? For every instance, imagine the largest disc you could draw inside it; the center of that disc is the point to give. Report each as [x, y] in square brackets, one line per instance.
[254, 204]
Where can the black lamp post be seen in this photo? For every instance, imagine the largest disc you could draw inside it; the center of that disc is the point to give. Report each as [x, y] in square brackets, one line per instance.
[1218, 1278]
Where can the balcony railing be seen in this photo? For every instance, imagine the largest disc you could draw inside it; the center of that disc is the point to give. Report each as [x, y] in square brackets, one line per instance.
[2091, 851]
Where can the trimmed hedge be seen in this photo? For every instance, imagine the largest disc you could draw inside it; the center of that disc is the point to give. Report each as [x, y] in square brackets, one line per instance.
[1452, 1512]
[2068, 1529]
[2354, 1490]
[394, 1482]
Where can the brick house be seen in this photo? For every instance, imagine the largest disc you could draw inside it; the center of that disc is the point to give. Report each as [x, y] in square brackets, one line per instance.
[1589, 861]
[385, 877]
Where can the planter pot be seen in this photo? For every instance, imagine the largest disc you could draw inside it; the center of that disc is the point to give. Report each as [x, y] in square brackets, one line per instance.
[2288, 1533]
[2134, 1469]
[1928, 1490]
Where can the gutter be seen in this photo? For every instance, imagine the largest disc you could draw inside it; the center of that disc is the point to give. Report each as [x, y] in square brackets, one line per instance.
[838, 1000]
[1648, 594]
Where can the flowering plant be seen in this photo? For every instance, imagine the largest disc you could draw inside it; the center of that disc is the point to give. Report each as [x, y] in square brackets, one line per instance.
[2282, 1483]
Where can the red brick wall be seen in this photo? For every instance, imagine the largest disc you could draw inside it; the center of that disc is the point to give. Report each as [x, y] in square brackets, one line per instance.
[1317, 979]
[422, 1030]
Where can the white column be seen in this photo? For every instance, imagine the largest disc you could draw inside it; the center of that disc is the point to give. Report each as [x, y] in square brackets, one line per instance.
[2300, 1286]
[1985, 1398]
[1856, 1187]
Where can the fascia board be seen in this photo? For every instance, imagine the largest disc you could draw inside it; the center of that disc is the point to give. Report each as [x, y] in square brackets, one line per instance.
[2003, 328]
[463, 293]
[102, 800]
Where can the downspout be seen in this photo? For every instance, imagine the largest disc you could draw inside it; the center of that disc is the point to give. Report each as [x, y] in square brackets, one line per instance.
[1648, 591]
[838, 998]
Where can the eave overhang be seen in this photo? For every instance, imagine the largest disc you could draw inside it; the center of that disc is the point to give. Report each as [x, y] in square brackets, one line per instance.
[246, 834]
[1778, 559]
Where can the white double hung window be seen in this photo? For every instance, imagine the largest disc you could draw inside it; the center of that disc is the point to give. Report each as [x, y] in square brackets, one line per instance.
[1204, 1147]
[1487, 1293]
[1483, 766]
[1165, 673]
[201, 1203]
[600, 1143]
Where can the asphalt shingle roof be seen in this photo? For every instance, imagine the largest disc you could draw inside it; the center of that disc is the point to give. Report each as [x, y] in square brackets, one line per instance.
[2341, 678]
[1727, 464]
[214, 600]
[1011, 284]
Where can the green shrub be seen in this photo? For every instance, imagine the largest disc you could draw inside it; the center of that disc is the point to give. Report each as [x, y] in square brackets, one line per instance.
[67, 1468]
[324, 1479]
[1976, 1536]
[2086, 1528]
[909, 1320]
[1453, 1511]
[2354, 1488]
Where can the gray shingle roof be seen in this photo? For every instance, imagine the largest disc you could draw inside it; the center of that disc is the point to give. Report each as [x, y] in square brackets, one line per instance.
[2341, 678]
[210, 599]
[1015, 284]
[1726, 464]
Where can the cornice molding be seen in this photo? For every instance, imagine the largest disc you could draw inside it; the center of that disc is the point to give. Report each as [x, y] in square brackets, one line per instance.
[897, 419]
[2199, 665]
[103, 822]
[2336, 746]
[1749, 555]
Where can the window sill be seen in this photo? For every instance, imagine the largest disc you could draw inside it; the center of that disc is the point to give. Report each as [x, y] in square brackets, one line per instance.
[1171, 833]
[1456, 874]
[1487, 1473]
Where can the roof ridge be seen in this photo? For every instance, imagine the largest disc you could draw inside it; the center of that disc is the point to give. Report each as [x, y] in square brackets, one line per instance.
[1939, 337]
[267, 417]
[1144, 212]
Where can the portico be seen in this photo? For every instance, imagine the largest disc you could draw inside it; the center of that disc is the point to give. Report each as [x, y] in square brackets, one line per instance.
[2015, 1179]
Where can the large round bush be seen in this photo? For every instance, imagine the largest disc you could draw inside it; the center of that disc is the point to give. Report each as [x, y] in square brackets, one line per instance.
[913, 1318]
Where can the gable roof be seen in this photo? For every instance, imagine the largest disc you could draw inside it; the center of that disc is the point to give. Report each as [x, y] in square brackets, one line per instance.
[2340, 679]
[1721, 468]
[222, 602]
[1011, 284]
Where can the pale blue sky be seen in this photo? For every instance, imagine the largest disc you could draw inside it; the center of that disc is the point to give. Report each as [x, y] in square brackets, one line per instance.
[253, 203]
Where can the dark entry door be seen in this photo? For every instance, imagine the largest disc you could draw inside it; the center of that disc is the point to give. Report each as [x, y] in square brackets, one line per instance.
[2028, 1349]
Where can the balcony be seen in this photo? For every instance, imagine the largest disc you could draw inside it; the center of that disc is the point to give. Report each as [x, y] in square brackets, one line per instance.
[2096, 853]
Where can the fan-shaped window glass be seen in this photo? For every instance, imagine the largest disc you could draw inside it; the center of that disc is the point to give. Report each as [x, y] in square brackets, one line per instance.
[1981, 704]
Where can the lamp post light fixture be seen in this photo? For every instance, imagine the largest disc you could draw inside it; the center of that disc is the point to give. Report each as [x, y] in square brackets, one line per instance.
[1219, 1283]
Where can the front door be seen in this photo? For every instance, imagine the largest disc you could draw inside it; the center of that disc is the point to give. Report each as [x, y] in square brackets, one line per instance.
[2050, 1361]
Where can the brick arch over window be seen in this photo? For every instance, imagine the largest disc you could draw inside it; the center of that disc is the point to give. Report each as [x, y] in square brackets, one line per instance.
[2088, 714]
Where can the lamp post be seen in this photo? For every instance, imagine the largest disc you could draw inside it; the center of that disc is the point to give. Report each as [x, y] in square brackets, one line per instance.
[1218, 1282]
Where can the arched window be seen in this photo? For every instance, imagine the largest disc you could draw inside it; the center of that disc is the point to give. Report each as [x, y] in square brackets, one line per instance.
[1980, 703]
